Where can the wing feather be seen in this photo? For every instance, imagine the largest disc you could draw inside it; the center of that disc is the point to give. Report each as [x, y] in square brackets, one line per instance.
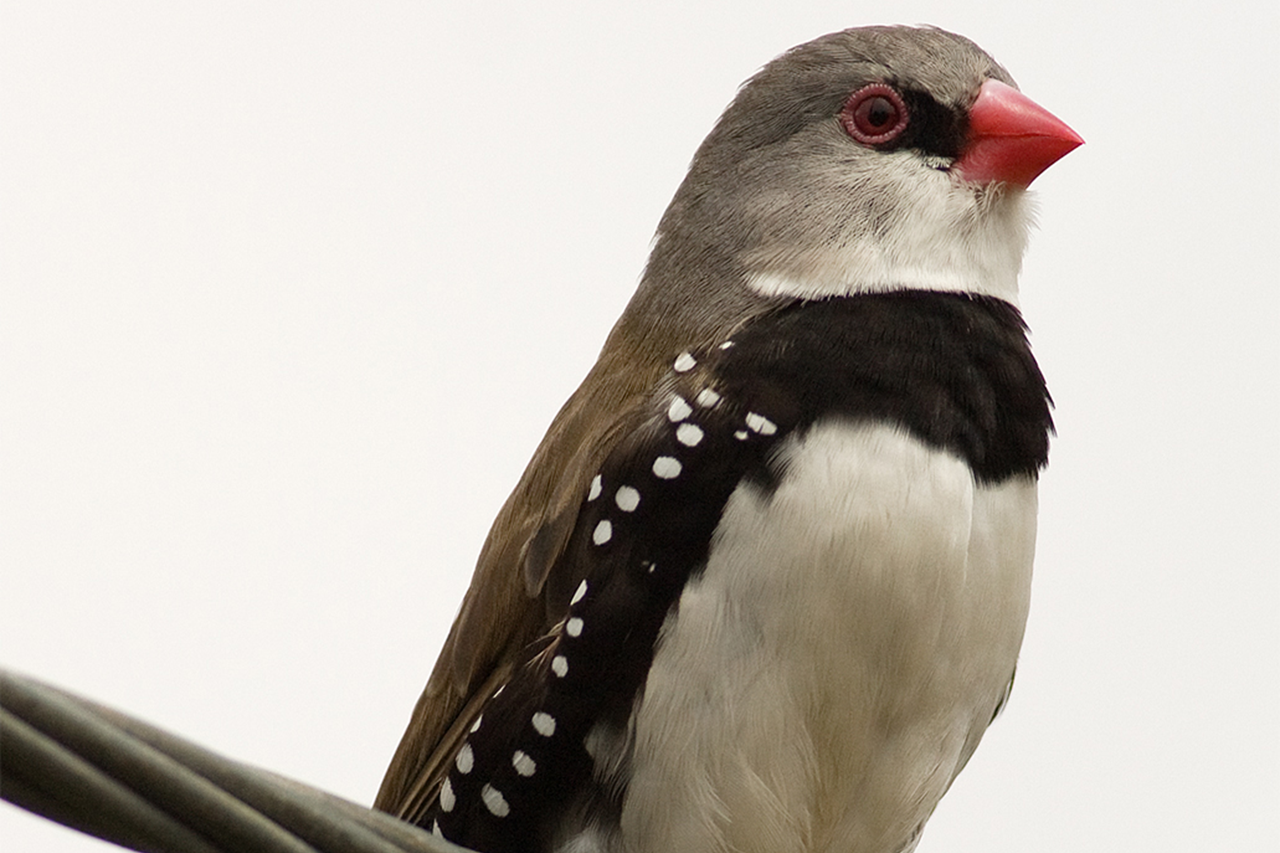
[515, 596]
[512, 599]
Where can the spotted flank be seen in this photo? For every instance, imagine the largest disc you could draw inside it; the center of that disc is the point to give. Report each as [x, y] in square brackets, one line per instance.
[646, 521]
[643, 527]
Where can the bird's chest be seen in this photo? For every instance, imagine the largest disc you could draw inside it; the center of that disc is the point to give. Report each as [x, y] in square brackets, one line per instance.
[830, 670]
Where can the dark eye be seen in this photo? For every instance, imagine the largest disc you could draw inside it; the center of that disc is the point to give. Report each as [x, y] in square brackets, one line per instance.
[875, 114]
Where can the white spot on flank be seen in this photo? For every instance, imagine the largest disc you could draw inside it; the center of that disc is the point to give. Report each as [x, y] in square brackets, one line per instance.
[666, 467]
[447, 799]
[494, 801]
[475, 727]
[726, 345]
[595, 488]
[498, 692]
[544, 724]
[741, 435]
[523, 764]
[560, 666]
[649, 567]
[578, 593]
[573, 627]
[465, 760]
[678, 410]
[689, 435]
[627, 498]
[760, 424]
[603, 532]
[707, 397]
[684, 362]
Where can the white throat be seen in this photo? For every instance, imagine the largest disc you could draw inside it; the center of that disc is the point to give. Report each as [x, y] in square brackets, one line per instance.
[947, 236]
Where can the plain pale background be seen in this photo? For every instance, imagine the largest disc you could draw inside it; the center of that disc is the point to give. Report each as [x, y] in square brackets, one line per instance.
[291, 290]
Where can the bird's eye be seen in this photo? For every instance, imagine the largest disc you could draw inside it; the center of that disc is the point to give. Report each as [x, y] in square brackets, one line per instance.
[875, 114]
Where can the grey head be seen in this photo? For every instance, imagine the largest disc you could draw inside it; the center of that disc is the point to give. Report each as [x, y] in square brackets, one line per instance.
[781, 201]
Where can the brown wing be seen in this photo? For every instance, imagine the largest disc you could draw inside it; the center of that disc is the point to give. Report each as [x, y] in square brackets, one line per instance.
[512, 598]
[515, 596]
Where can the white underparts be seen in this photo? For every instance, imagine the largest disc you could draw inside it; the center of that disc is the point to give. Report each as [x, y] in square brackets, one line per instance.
[829, 673]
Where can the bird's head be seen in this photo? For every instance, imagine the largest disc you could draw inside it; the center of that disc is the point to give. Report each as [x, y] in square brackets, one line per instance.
[871, 159]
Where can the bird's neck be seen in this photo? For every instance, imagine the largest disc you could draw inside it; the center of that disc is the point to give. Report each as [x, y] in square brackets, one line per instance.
[940, 250]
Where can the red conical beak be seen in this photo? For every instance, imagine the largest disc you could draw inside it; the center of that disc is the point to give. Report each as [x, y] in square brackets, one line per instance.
[1012, 139]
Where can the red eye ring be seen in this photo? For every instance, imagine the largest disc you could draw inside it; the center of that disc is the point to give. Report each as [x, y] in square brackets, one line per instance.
[875, 114]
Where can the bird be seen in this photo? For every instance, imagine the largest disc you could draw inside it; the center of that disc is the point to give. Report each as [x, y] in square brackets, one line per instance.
[763, 585]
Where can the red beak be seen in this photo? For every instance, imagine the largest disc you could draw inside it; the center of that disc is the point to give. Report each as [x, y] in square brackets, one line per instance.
[1012, 139]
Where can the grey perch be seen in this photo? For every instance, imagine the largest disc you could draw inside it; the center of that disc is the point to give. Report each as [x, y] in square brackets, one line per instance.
[110, 775]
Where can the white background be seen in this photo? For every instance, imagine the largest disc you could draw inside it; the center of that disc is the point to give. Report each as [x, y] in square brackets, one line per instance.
[290, 292]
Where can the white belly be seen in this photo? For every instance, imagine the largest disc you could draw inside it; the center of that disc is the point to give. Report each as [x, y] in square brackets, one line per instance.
[835, 665]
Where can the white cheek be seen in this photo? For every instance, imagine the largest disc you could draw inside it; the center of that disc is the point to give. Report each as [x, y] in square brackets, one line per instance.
[946, 237]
